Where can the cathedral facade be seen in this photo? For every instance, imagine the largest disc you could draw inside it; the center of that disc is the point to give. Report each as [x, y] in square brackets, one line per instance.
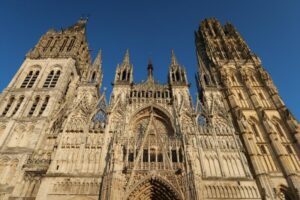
[60, 139]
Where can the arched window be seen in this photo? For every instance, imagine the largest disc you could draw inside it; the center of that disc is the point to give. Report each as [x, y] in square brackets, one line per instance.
[55, 79]
[18, 105]
[52, 79]
[27, 79]
[30, 79]
[33, 79]
[33, 107]
[8, 105]
[44, 105]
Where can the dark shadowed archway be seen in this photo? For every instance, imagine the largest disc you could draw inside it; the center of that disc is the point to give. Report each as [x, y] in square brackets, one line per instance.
[154, 189]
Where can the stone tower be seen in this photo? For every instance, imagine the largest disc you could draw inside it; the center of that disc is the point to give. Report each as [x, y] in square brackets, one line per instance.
[59, 139]
[50, 130]
[268, 131]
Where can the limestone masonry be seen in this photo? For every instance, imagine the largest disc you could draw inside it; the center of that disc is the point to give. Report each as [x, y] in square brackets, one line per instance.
[60, 139]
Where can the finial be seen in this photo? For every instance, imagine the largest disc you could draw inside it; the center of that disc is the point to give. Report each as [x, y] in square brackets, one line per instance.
[126, 57]
[173, 58]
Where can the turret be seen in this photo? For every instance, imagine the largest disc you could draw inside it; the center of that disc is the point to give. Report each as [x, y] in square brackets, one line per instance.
[124, 71]
[177, 74]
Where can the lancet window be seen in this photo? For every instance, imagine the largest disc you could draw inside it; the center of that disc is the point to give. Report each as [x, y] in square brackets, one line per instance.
[52, 79]
[18, 105]
[33, 107]
[30, 79]
[44, 105]
[8, 106]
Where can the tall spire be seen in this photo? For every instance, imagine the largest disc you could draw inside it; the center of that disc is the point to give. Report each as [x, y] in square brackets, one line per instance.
[173, 58]
[126, 59]
[150, 70]
[98, 59]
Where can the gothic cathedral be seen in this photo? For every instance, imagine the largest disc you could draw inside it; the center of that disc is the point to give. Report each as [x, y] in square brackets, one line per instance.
[61, 140]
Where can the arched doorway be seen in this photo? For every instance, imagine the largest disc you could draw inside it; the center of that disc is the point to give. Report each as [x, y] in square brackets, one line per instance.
[154, 189]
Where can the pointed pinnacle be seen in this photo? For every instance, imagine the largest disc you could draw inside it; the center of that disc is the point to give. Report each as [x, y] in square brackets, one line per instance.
[173, 58]
[126, 57]
[98, 59]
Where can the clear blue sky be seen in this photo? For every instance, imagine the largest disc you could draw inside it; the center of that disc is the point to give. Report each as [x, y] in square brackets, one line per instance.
[152, 28]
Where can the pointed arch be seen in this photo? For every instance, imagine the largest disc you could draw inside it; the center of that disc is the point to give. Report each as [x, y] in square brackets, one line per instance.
[279, 127]
[154, 188]
[162, 113]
